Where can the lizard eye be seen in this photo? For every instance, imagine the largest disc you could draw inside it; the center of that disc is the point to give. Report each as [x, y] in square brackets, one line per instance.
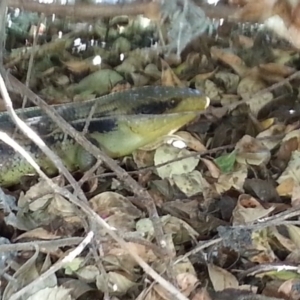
[172, 102]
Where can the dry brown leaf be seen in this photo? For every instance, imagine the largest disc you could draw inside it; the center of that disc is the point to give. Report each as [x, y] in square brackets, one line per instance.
[221, 279]
[290, 136]
[213, 169]
[168, 77]
[204, 76]
[59, 206]
[108, 203]
[274, 132]
[248, 210]
[290, 290]
[202, 295]
[234, 179]
[285, 188]
[186, 283]
[39, 190]
[260, 241]
[190, 141]
[296, 196]
[230, 59]
[250, 85]
[294, 233]
[144, 252]
[273, 72]
[38, 233]
[251, 151]
[292, 171]
[143, 158]
[285, 242]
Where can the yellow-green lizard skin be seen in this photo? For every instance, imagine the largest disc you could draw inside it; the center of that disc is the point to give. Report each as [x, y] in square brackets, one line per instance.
[121, 123]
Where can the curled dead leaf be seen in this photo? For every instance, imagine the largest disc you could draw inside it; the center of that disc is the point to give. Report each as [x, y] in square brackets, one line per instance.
[248, 210]
[220, 278]
[252, 151]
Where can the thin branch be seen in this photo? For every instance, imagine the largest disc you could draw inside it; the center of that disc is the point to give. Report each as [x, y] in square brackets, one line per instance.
[49, 245]
[87, 11]
[39, 142]
[31, 58]
[58, 265]
[3, 8]
[198, 248]
[133, 186]
[94, 218]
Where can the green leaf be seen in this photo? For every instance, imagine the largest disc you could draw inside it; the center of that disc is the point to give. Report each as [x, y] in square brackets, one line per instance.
[73, 266]
[283, 275]
[226, 162]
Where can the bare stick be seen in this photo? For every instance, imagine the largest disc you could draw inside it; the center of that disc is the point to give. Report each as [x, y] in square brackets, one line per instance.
[31, 59]
[132, 185]
[198, 248]
[58, 265]
[86, 11]
[94, 217]
[40, 143]
[49, 245]
[3, 6]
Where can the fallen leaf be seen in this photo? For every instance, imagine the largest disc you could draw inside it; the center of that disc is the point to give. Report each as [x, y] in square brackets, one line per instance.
[220, 278]
[251, 151]
[166, 153]
[248, 210]
[168, 77]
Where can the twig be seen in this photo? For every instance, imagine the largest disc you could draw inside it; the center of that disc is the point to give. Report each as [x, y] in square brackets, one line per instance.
[88, 11]
[31, 59]
[128, 180]
[257, 94]
[271, 267]
[194, 154]
[87, 145]
[198, 248]
[88, 174]
[51, 245]
[96, 219]
[110, 10]
[266, 222]
[3, 7]
[69, 258]
[40, 143]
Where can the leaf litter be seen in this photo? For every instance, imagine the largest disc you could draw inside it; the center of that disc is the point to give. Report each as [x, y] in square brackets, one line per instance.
[232, 174]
